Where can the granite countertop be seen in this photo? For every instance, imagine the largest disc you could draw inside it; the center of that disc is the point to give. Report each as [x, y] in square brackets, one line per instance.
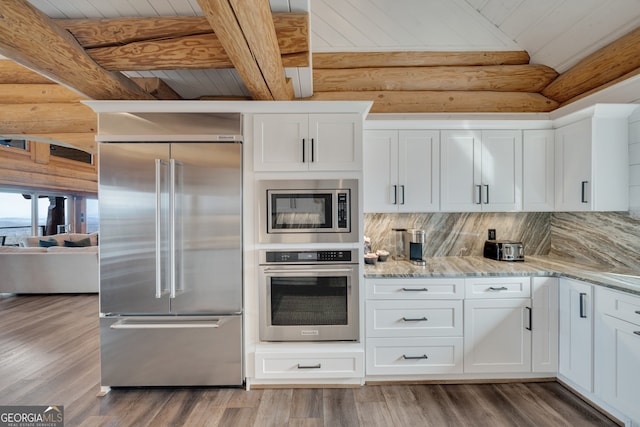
[618, 279]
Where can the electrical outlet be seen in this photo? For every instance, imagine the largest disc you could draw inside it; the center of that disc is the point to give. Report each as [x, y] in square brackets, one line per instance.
[492, 234]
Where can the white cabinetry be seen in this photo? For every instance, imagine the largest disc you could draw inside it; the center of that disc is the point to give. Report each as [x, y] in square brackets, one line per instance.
[401, 170]
[592, 165]
[497, 326]
[301, 142]
[538, 170]
[617, 350]
[544, 324]
[275, 361]
[576, 333]
[414, 326]
[481, 171]
[420, 326]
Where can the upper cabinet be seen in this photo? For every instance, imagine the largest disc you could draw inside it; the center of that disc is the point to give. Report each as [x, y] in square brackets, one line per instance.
[481, 170]
[401, 170]
[538, 170]
[301, 142]
[592, 161]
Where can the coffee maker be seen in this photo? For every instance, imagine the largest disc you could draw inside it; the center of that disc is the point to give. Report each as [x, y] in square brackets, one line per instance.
[414, 240]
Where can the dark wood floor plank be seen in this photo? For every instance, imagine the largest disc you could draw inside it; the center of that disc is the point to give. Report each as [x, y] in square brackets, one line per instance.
[306, 403]
[49, 354]
[403, 406]
[339, 407]
[374, 414]
[275, 407]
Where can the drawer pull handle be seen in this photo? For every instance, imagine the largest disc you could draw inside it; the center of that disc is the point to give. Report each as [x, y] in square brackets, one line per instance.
[637, 311]
[318, 366]
[409, 319]
[405, 357]
[501, 288]
[636, 332]
[415, 289]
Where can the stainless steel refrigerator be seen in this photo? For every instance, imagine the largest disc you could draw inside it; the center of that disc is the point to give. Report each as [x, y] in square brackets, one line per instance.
[170, 263]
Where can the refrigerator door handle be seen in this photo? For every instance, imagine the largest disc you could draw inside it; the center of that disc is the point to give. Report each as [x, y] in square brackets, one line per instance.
[158, 224]
[172, 228]
[184, 324]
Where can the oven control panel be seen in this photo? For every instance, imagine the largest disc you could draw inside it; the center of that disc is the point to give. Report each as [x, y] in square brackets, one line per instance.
[314, 257]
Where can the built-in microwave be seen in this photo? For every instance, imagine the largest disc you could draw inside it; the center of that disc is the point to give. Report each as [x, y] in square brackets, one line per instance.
[308, 211]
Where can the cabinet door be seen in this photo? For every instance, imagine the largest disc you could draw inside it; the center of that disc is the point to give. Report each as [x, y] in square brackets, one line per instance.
[544, 324]
[497, 335]
[280, 142]
[380, 171]
[538, 170]
[419, 171]
[460, 171]
[335, 142]
[576, 333]
[501, 170]
[617, 373]
[573, 167]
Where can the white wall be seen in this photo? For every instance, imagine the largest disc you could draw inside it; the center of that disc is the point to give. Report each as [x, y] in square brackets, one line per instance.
[634, 163]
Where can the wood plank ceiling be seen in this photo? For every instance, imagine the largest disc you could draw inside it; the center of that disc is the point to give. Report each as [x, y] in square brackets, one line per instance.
[409, 56]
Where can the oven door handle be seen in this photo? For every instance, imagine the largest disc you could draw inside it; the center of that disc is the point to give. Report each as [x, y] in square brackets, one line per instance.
[308, 270]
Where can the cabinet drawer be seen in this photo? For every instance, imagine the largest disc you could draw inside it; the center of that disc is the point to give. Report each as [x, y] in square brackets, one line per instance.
[414, 318]
[498, 287]
[410, 356]
[415, 288]
[309, 365]
[620, 305]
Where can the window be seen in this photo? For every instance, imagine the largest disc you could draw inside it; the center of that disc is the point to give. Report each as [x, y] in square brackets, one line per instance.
[28, 214]
[14, 143]
[70, 153]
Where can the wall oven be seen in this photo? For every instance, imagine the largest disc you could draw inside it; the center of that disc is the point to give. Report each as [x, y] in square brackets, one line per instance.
[308, 211]
[309, 295]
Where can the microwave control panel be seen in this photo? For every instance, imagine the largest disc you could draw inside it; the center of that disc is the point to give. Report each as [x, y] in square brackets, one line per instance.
[343, 210]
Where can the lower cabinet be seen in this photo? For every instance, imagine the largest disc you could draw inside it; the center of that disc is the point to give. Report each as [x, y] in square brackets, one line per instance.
[617, 350]
[576, 333]
[289, 361]
[484, 325]
[497, 335]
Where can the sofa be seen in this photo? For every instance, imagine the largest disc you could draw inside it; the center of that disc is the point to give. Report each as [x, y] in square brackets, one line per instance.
[38, 265]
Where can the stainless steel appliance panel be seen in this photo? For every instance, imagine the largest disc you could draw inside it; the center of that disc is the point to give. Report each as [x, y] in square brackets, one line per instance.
[308, 211]
[133, 190]
[171, 351]
[207, 231]
[313, 303]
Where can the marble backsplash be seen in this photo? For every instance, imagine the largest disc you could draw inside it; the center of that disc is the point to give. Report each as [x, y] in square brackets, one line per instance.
[609, 238]
[462, 234]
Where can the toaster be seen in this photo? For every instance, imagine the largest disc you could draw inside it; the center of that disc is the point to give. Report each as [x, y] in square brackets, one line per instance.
[504, 250]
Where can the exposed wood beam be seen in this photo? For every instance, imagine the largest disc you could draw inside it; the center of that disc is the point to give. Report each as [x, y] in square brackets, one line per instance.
[33, 40]
[245, 29]
[36, 93]
[292, 30]
[81, 141]
[417, 59]
[504, 78]
[13, 73]
[606, 64]
[183, 53]
[27, 119]
[444, 101]
[633, 73]
[156, 87]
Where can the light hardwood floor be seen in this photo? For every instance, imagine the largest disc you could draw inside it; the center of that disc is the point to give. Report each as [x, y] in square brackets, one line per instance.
[49, 355]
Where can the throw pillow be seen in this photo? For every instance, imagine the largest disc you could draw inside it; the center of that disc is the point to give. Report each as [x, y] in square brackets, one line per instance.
[78, 243]
[47, 243]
